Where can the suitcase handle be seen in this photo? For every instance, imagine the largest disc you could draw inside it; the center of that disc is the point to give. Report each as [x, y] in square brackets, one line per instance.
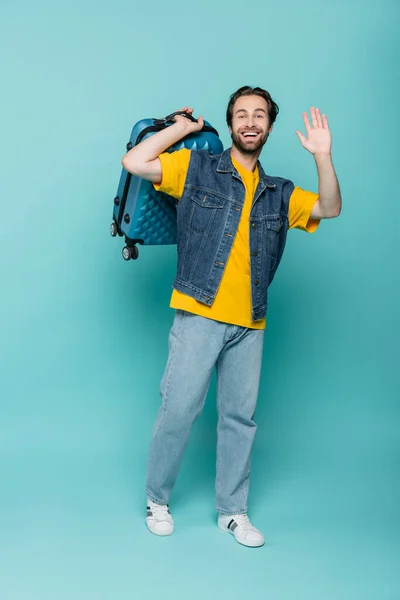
[170, 117]
[160, 124]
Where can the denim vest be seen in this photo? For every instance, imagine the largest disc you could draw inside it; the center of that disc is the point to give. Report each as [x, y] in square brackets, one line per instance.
[208, 216]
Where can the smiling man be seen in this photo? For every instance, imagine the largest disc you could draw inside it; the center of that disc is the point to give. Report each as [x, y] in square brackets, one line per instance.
[232, 221]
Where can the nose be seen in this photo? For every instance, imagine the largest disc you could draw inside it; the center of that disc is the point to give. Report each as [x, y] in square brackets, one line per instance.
[250, 122]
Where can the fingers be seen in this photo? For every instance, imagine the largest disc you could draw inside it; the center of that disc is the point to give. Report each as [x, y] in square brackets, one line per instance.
[319, 120]
[306, 122]
[314, 117]
[325, 122]
[301, 137]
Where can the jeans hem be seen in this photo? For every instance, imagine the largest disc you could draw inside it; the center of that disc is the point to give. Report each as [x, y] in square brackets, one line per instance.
[230, 513]
[154, 499]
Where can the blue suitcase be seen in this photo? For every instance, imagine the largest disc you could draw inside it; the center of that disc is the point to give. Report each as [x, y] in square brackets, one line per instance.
[141, 214]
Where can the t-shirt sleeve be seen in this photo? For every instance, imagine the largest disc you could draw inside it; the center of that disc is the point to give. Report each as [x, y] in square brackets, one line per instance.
[300, 206]
[174, 168]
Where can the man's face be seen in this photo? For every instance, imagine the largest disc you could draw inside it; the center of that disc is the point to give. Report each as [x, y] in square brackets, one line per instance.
[250, 124]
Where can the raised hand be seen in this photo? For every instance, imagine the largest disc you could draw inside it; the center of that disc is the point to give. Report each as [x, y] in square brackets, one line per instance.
[190, 126]
[318, 140]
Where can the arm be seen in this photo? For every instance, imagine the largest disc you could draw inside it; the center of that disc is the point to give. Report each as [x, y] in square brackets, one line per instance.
[319, 143]
[142, 160]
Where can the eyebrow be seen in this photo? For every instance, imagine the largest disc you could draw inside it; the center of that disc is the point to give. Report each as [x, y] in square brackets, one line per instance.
[256, 110]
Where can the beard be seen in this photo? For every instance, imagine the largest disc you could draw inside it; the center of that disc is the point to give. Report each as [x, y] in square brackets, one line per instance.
[249, 147]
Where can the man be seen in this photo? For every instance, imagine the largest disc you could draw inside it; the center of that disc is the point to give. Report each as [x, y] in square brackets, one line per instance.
[232, 224]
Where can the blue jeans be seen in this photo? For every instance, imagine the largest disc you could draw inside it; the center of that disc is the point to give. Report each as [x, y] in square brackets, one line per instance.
[196, 346]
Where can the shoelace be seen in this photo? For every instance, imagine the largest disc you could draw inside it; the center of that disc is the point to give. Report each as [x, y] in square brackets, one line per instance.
[244, 522]
[160, 512]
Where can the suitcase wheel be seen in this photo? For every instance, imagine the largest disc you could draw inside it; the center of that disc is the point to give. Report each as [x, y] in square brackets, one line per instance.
[130, 252]
[113, 229]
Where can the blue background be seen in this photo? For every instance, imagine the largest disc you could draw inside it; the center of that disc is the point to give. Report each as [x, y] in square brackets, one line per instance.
[84, 334]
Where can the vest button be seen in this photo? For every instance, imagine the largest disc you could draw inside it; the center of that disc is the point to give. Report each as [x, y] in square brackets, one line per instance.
[253, 225]
[257, 282]
[255, 253]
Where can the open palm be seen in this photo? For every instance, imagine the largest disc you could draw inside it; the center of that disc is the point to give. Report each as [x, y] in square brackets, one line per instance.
[318, 140]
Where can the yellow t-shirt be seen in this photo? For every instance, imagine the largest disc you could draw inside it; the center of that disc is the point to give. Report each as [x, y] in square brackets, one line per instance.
[232, 303]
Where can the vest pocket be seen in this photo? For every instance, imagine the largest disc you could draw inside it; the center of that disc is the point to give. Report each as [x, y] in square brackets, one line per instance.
[204, 210]
[273, 225]
[206, 200]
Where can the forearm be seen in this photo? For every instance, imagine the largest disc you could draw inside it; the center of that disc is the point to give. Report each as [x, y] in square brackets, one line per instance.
[153, 146]
[330, 199]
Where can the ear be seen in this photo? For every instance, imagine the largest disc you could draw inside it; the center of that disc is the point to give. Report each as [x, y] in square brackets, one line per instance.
[270, 129]
[230, 130]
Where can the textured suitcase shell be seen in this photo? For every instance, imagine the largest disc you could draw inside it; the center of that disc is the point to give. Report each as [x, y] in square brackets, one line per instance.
[149, 217]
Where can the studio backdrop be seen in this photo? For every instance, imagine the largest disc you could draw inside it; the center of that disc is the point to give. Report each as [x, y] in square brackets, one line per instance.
[84, 333]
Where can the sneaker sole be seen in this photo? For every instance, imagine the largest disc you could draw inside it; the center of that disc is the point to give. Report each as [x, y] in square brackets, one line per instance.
[161, 534]
[247, 544]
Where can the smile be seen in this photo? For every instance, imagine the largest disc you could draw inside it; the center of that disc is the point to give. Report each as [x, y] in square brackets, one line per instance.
[250, 135]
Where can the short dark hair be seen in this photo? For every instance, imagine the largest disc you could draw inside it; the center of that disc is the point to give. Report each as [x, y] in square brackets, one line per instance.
[247, 90]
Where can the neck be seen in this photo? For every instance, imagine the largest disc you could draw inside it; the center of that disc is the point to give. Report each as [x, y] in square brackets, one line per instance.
[248, 161]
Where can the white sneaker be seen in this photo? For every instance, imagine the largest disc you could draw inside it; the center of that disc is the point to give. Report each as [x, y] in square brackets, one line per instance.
[240, 527]
[159, 520]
